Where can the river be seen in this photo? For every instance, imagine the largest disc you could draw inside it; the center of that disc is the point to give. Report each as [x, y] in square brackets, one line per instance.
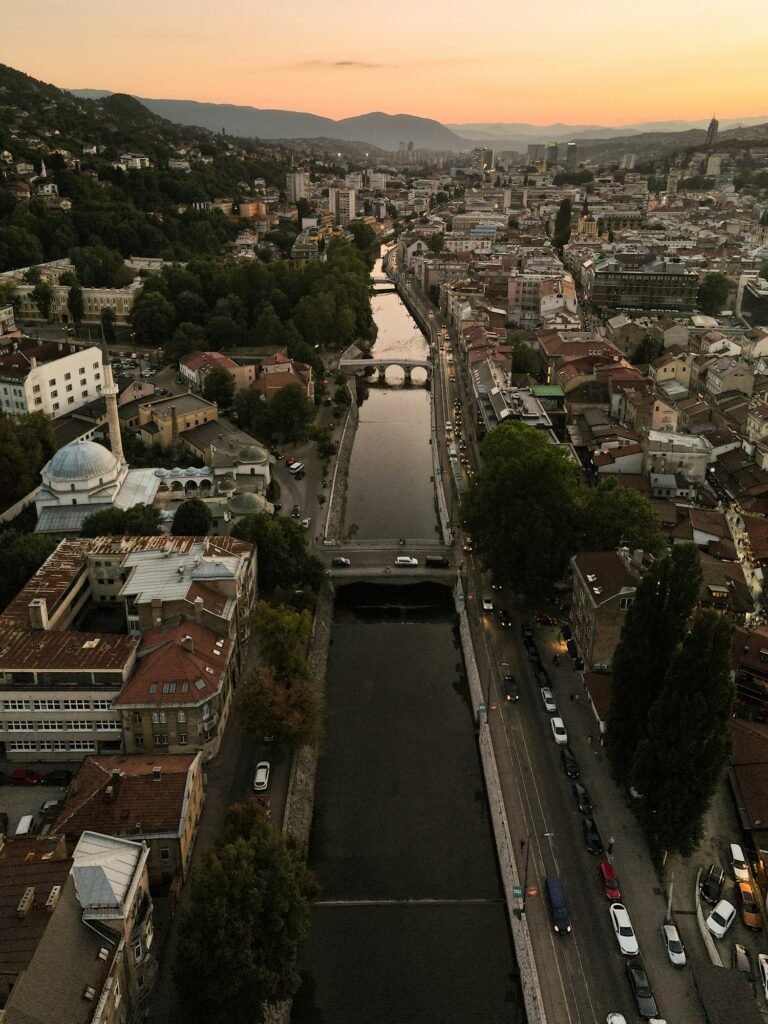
[410, 925]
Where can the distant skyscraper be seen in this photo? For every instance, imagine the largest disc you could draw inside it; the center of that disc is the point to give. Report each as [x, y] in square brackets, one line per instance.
[714, 125]
[571, 156]
[297, 185]
[551, 153]
[343, 203]
[536, 152]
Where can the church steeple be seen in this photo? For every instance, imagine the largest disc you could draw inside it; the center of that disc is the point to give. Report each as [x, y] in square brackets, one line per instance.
[109, 391]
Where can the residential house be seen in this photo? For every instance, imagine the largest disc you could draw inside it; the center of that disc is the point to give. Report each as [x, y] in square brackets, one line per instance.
[194, 369]
[604, 586]
[728, 374]
[666, 452]
[278, 371]
[625, 334]
[670, 333]
[624, 459]
[672, 365]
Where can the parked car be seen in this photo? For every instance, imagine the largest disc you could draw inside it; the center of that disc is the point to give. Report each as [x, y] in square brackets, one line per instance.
[511, 689]
[58, 777]
[738, 863]
[721, 918]
[570, 764]
[592, 838]
[742, 961]
[641, 989]
[340, 563]
[750, 909]
[712, 884]
[581, 796]
[608, 881]
[762, 968]
[261, 777]
[623, 930]
[25, 777]
[548, 700]
[673, 945]
[559, 734]
[305, 523]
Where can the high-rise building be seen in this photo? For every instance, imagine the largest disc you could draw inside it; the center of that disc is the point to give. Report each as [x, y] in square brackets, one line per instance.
[551, 154]
[297, 185]
[343, 204]
[714, 125]
[571, 156]
[714, 166]
[536, 152]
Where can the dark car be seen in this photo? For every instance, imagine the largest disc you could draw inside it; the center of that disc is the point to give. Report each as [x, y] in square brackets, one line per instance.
[504, 617]
[641, 990]
[25, 777]
[340, 563]
[712, 883]
[527, 631]
[277, 505]
[58, 777]
[511, 690]
[296, 511]
[592, 840]
[581, 796]
[569, 763]
[300, 475]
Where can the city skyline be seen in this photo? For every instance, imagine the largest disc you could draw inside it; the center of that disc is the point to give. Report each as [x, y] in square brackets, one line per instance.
[508, 66]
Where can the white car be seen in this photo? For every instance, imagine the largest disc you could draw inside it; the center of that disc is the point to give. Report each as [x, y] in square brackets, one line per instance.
[261, 777]
[487, 604]
[762, 966]
[549, 700]
[622, 926]
[406, 562]
[738, 863]
[558, 731]
[673, 945]
[721, 918]
[615, 1018]
[305, 523]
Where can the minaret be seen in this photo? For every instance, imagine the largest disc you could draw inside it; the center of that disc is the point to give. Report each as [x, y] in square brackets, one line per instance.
[109, 391]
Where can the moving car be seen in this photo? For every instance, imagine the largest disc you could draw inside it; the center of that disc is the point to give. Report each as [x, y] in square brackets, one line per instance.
[487, 604]
[570, 764]
[641, 989]
[527, 631]
[738, 863]
[750, 909]
[608, 881]
[340, 563]
[712, 884]
[762, 968]
[581, 796]
[504, 617]
[673, 945]
[305, 523]
[549, 700]
[622, 927]
[592, 838]
[261, 777]
[511, 689]
[296, 511]
[406, 562]
[25, 777]
[721, 918]
[559, 734]
[558, 908]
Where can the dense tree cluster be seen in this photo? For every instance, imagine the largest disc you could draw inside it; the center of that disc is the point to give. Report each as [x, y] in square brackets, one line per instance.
[26, 444]
[528, 513]
[284, 564]
[138, 521]
[192, 518]
[21, 555]
[713, 292]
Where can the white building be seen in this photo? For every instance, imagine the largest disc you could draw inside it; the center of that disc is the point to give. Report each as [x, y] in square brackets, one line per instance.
[343, 204]
[48, 378]
[297, 185]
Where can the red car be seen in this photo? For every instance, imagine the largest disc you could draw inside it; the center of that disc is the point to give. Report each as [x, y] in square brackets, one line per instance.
[25, 777]
[608, 882]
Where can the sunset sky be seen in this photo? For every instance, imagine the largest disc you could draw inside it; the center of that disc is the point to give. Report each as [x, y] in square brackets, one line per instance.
[606, 61]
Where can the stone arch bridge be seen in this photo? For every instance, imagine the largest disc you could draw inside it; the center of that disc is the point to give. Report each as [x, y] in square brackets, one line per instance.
[382, 365]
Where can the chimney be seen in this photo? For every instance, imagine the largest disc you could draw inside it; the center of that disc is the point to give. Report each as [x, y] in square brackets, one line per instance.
[187, 643]
[157, 773]
[38, 613]
[26, 902]
[199, 605]
[174, 424]
[637, 557]
[32, 363]
[53, 899]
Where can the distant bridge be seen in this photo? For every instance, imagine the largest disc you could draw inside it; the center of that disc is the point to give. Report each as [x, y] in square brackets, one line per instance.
[383, 284]
[382, 365]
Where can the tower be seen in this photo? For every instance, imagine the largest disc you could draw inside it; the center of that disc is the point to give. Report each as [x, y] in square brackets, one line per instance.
[714, 125]
[109, 391]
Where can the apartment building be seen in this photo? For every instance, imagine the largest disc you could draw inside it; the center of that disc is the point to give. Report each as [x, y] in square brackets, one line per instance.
[639, 281]
[50, 377]
[297, 186]
[194, 369]
[95, 300]
[343, 204]
[688, 455]
[604, 587]
[62, 670]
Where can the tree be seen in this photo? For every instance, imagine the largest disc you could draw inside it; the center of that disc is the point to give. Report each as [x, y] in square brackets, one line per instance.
[653, 628]
[21, 555]
[138, 521]
[612, 515]
[685, 749]
[290, 708]
[524, 359]
[764, 270]
[562, 230]
[436, 242]
[253, 414]
[193, 518]
[108, 324]
[187, 338]
[283, 559]
[341, 395]
[713, 292]
[520, 508]
[42, 296]
[283, 635]
[153, 318]
[219, 387]
[76, 303]
[26, 444]
[291, 412]
[363, 234]
[239, 938]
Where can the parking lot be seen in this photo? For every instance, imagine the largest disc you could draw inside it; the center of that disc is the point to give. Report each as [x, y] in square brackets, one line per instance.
[16, 801]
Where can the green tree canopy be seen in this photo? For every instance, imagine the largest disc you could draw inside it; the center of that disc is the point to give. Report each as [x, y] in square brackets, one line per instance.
[290, 708]
[239, 938]
[436, 242]
[76, 303]
[291, 412]
[612, 515]
[684, 751]
[153, 317]
[219, 387]
[363, 234]
[520, 508]
[713, 292]
[562, 229]
[187, 338]
[21, 555]
[653, 628]
[108, 324]
[42, 296]
[192, 518]
[26, 444]
[283, 635]
[284, 562]
[138, 521]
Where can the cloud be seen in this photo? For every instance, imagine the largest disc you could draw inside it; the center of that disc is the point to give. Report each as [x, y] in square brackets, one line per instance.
[344, 64]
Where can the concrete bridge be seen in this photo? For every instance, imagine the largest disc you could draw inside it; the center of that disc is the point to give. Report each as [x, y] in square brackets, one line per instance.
[382, 365]
[374, 561]
[383, 284]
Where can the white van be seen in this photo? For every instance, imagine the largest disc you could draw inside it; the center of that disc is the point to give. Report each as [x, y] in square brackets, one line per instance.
[24, 828]
[452, 453]
[296, 468]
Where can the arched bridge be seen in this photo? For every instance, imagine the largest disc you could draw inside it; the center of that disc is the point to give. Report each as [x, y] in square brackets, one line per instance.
[382, 365]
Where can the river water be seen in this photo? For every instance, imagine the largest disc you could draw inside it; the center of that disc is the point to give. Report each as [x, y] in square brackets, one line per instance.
[410, 926]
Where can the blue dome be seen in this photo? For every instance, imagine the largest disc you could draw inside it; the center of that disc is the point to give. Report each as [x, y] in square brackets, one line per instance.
[83, 460]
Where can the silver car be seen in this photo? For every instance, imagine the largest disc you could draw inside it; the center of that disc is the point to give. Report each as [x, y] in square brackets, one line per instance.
[261, 777]
[673, 945]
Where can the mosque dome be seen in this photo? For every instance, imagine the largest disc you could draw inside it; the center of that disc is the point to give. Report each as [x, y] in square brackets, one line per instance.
[81, 460]
[245, 503]
[251, 453]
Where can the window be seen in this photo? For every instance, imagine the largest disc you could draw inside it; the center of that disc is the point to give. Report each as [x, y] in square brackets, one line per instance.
[68, 387]
[138, 740]
[79, 725]
[625, 603]
[101, 705]
[149, 934]
[15, 705]
[22, 745]
[137, 718]
[181, 717]
[158, 718]
[67, 376]
[137, 952]
[50, 725]
[83, 382]
[38, 401]
[55, 406]
[76, 705]
[165, 853]
[106, 725]
[182, 739]
[95, 366]
[45, 745]
[54, 394]
[161, 739]
[46, 705]
[118, 993]
[84, 394]
[36, 389]
[82, 745]
[51, 383]
[20, 725]
[81, 370]
[59, 744]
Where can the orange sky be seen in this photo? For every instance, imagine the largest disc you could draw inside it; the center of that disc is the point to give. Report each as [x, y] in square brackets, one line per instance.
[604, 62]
